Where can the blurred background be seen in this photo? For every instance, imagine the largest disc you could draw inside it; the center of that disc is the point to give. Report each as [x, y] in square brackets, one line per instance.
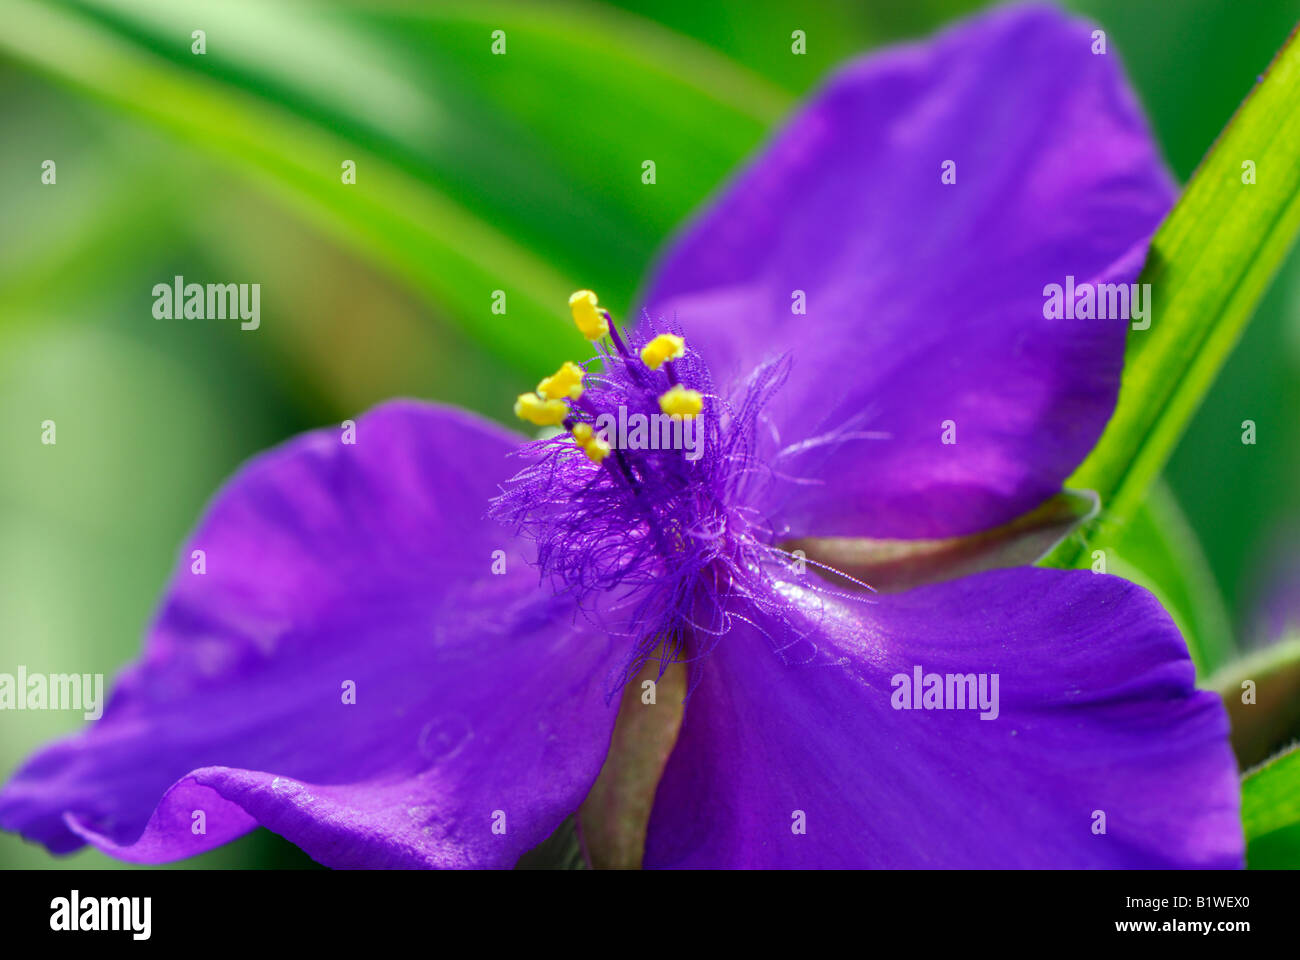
[474, 173]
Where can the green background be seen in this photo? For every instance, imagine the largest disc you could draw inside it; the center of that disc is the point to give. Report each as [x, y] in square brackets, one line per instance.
[475, 173]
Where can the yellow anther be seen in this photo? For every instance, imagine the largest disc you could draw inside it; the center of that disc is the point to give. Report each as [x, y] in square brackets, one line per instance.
[544, 413]
[596, 449]
[565, 382]
[666, 346]
[590, 321]
[681, 401]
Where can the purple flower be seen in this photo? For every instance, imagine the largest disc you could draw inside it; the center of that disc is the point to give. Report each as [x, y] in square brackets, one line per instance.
[360, 670]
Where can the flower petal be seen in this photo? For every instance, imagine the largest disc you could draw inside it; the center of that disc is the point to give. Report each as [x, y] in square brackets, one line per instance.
[925, 300]
[1096, 712]
[329, 567]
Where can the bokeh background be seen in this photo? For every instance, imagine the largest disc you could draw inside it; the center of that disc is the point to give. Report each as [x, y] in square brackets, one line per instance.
[475, 173]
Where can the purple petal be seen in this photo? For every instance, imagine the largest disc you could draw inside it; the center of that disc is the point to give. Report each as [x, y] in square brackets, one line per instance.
[1097, 712]
[925, 301]
[329, 564]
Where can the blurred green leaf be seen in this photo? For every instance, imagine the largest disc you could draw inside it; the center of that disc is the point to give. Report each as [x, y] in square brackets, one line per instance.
[1279, 850]
[757, 33]
[475, 172]
[1208, 266]
[1270, 796]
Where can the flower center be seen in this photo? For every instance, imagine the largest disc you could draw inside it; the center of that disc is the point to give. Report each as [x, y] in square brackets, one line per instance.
[629, 494]
[559, 398]
[639, 494]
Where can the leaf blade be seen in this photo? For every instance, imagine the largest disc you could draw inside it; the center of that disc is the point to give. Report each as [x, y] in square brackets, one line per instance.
[1270, 796]
[425, 207]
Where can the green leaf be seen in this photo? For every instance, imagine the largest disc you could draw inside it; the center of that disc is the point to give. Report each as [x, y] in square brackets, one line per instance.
[474, 172]
[1208, 266]
[1279, 850]
[1270, 796]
